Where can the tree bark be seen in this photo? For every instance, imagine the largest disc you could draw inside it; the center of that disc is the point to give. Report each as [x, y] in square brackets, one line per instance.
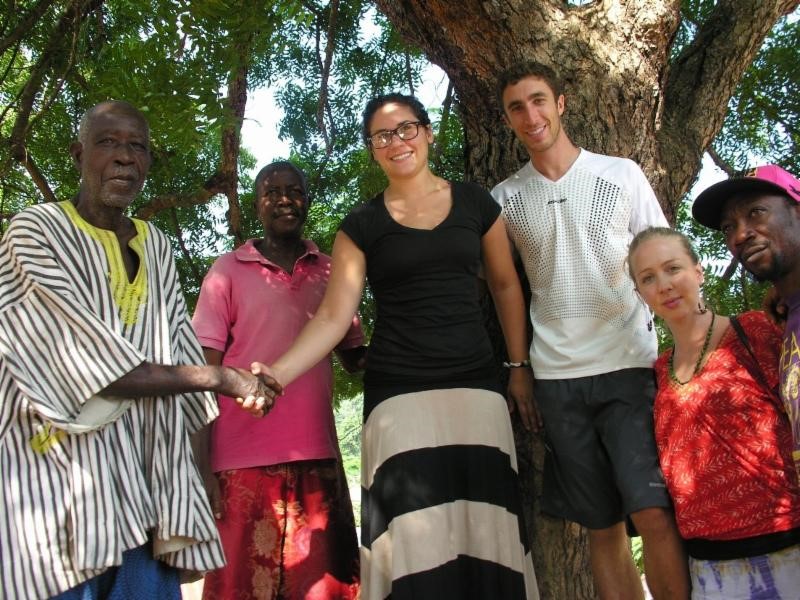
[700, 83]
[623, 96]
[559, 548]
[231, 142]
[627, 94]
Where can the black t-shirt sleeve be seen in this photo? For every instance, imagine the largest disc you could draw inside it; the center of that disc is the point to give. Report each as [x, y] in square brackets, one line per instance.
[356, 225]
[485, 207]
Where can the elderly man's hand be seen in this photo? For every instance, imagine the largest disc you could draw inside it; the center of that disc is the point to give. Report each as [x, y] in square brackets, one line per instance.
[254, 392]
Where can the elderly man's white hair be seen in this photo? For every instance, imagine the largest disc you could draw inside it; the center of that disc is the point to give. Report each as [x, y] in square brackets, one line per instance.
[113, 106]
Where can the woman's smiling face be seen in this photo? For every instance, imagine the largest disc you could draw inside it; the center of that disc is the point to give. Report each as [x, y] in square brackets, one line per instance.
[401, 158]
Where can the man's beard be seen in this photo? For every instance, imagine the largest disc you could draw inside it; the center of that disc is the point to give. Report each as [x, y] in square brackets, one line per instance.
[775, 271]
[117, 200]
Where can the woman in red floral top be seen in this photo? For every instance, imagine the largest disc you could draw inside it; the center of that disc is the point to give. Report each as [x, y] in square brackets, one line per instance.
[723, 437]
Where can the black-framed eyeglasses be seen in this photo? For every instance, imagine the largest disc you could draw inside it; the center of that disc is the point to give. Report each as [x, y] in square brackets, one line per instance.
[405, 131]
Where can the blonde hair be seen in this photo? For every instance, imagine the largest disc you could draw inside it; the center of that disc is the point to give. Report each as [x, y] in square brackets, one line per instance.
[652, 232]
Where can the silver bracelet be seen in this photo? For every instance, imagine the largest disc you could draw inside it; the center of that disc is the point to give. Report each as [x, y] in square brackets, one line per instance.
[516, 365]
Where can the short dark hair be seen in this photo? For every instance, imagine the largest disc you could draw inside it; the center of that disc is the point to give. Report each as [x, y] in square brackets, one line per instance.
[281, 165]
[393, 98]
[528, 68]
[666, 232]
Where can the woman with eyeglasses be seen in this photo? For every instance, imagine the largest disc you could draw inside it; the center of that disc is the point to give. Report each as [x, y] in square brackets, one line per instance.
[724, 441]
[441, 510]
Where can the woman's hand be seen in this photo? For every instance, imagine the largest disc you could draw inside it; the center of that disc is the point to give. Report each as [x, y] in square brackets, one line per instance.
[520, 398]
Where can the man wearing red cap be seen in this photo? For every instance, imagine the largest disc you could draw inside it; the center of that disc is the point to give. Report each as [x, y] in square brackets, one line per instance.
[759, 215]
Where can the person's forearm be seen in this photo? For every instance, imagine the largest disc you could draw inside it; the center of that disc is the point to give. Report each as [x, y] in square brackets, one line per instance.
[333, 317]
[201, 440]
[510, 306]
[501, 277]
[315, 342]
[150, 379]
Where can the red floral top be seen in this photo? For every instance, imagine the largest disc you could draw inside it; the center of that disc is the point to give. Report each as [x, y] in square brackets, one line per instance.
[725, 444]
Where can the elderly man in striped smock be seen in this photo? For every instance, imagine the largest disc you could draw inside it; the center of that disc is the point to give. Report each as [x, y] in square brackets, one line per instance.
[102, 383]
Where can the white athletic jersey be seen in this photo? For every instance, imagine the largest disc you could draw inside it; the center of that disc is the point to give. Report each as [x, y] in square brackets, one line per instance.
[573, 236]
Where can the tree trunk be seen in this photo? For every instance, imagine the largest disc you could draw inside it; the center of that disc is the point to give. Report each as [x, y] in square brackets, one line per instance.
[628, 93]
[231, 142]
[623, 96]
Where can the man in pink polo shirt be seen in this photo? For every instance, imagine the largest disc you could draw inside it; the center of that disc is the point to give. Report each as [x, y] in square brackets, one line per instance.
[276, 484]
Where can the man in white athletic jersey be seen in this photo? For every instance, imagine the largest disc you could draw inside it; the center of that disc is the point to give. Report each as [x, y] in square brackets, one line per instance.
[571, 215]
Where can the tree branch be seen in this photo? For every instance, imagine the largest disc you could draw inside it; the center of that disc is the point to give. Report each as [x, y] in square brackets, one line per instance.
[381, 67]
[743, 280]
[25, 24]
[727, 168]
[52, 56]
[38, 178]
[703, 78]
[325, 76]
[216, 184]
[730, 270]
[53, 93]
[312, 8]
[441, 140]
[9, 65]
[187, 256]
[409, 78]
[236, 102]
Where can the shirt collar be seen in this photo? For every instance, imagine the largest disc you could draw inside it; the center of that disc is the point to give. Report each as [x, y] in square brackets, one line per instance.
[248, 252]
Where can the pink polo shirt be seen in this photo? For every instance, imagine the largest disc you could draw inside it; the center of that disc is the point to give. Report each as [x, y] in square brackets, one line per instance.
[252, 310]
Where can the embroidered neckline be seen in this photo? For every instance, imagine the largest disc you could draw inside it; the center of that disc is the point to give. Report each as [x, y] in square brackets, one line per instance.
[129, 296]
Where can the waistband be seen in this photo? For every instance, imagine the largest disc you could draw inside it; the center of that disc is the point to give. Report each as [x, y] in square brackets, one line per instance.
[743, 548]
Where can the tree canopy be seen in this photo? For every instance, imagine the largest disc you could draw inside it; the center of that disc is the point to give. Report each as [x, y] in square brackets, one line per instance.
[190, 66]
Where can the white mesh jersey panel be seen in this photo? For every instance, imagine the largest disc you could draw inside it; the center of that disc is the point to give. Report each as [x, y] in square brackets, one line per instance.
[573, 236]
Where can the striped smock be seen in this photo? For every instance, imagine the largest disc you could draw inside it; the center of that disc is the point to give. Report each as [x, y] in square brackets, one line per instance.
[83, 478]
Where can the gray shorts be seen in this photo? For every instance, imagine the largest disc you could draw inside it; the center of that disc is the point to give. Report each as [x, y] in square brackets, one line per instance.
[601, 462]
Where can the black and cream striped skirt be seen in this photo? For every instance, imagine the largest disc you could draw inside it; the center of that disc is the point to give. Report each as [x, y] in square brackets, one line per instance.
[441, 515]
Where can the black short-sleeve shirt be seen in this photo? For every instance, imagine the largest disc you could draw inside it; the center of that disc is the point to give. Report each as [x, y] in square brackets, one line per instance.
[429, 325]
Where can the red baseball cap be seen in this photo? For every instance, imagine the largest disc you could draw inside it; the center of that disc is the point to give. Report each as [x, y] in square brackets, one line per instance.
[770, 179]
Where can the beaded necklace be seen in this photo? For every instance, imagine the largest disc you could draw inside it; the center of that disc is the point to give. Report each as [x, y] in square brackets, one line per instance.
[707, 341]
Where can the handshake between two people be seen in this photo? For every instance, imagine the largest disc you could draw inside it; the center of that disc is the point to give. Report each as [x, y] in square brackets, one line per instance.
[260, 388]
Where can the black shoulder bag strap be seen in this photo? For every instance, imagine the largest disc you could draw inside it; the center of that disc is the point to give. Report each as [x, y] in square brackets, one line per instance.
[758, 372]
